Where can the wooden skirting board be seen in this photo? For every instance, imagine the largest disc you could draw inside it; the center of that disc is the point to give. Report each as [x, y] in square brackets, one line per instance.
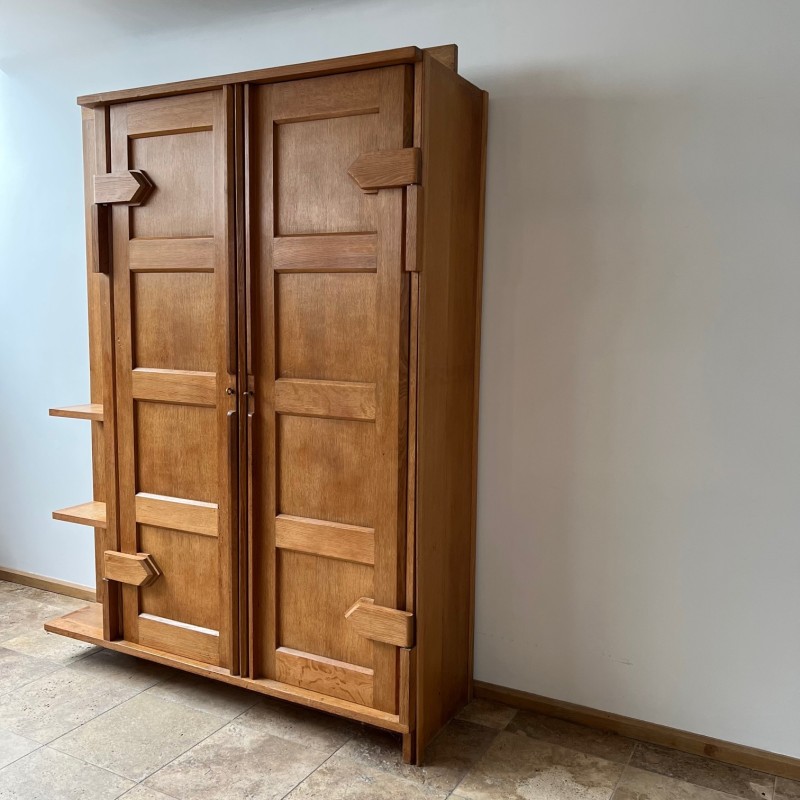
[47, 584]
[695, 743]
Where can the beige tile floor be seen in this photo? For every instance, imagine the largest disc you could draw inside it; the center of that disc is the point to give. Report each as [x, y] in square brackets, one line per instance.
[81, 723]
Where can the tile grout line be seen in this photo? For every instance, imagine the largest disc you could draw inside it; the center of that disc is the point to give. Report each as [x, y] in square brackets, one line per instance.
[624, 769]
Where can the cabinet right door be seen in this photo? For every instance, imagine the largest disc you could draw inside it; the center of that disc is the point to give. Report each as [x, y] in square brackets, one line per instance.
[328, 342]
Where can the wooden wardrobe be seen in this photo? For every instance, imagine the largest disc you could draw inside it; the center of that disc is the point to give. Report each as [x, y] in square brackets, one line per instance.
[284, 276]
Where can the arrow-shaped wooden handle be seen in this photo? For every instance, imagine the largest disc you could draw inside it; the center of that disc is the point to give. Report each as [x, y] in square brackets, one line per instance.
[386, 169]
[136, 569]
[131, 187]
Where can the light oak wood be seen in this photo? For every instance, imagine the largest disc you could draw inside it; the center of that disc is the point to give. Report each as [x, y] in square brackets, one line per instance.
[286, 364]
[172, 255]
[386, 169]
[92, 411]
[192, 516]
[332, 399]
[48, 584]
[446, 53]
[325, 675]
[452, 139]
[93, 513]
[695, 743]
[331, 66]
[130, 187]
[328, 539]
[134, 569]
[175, 386]
[340, 253]
[86, 625]
[381, 624]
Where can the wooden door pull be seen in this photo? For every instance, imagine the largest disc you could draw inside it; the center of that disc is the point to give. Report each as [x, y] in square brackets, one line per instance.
[386, 169]
[136, 569]
[380, 623]
[131, 187]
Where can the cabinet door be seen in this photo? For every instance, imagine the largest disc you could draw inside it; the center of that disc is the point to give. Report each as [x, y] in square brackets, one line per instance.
[329, 342]
[174, 363]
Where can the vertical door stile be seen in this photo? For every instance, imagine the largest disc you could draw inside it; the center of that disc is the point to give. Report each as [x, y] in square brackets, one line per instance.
[229, 551]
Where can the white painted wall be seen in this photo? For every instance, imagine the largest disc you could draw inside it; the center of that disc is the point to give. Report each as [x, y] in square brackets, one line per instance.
[640, 436]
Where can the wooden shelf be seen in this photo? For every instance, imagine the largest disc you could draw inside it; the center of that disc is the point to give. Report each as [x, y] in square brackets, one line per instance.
[93, 514]
[93, 411]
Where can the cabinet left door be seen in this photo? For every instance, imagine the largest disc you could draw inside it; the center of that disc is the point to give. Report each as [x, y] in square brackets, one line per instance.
[175, 370]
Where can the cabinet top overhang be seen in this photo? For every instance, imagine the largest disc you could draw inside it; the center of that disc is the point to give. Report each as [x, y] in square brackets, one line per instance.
[330, 66]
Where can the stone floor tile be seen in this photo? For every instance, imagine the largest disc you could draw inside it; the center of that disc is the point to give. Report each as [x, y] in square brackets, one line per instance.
[298, 724]
[738, 781]
[605, 744]
[205, 694]
[237, 763]
[344, 779]
[120, 668]
[49, 775]
[13, 747]
[141, 792]
[41, 644]
[787, 790]
[19, 615]
[58, 702]
[488, 713]
[447, 760]
[140, 736]
[518, 767]
[17, 669]
[638, 784]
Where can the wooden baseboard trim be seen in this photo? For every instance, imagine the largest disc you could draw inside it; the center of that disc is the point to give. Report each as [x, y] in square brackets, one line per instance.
[48, 584]
[718, 749]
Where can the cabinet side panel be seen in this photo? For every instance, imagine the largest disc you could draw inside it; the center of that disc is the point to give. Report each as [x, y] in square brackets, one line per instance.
[449, 299]
[95, 344]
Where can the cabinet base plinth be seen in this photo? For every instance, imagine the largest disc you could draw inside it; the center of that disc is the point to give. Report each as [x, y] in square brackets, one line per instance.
[86, 625]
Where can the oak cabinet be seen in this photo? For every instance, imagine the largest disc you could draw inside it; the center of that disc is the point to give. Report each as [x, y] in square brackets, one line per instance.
[284, 274]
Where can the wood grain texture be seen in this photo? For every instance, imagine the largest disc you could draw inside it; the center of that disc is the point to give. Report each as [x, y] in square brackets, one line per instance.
[192, 516]
[333, 399]
[381, 624]
[341, 253]
[452, 140]
[172, 255]
[92, 411]
[324, 675]
[93, 513]
[86, 625]
[331, 66]
[446, 53]
[172, 378]
[134, 569]
[130, 187]
[328, 539]
[386, 169]
[175, 386]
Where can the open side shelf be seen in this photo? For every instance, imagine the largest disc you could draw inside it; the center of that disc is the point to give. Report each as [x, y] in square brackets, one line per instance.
[93, 514]
[93, 411]
[86, 625]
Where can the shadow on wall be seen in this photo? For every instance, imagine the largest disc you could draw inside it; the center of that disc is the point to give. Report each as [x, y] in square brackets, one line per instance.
[600, 281]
